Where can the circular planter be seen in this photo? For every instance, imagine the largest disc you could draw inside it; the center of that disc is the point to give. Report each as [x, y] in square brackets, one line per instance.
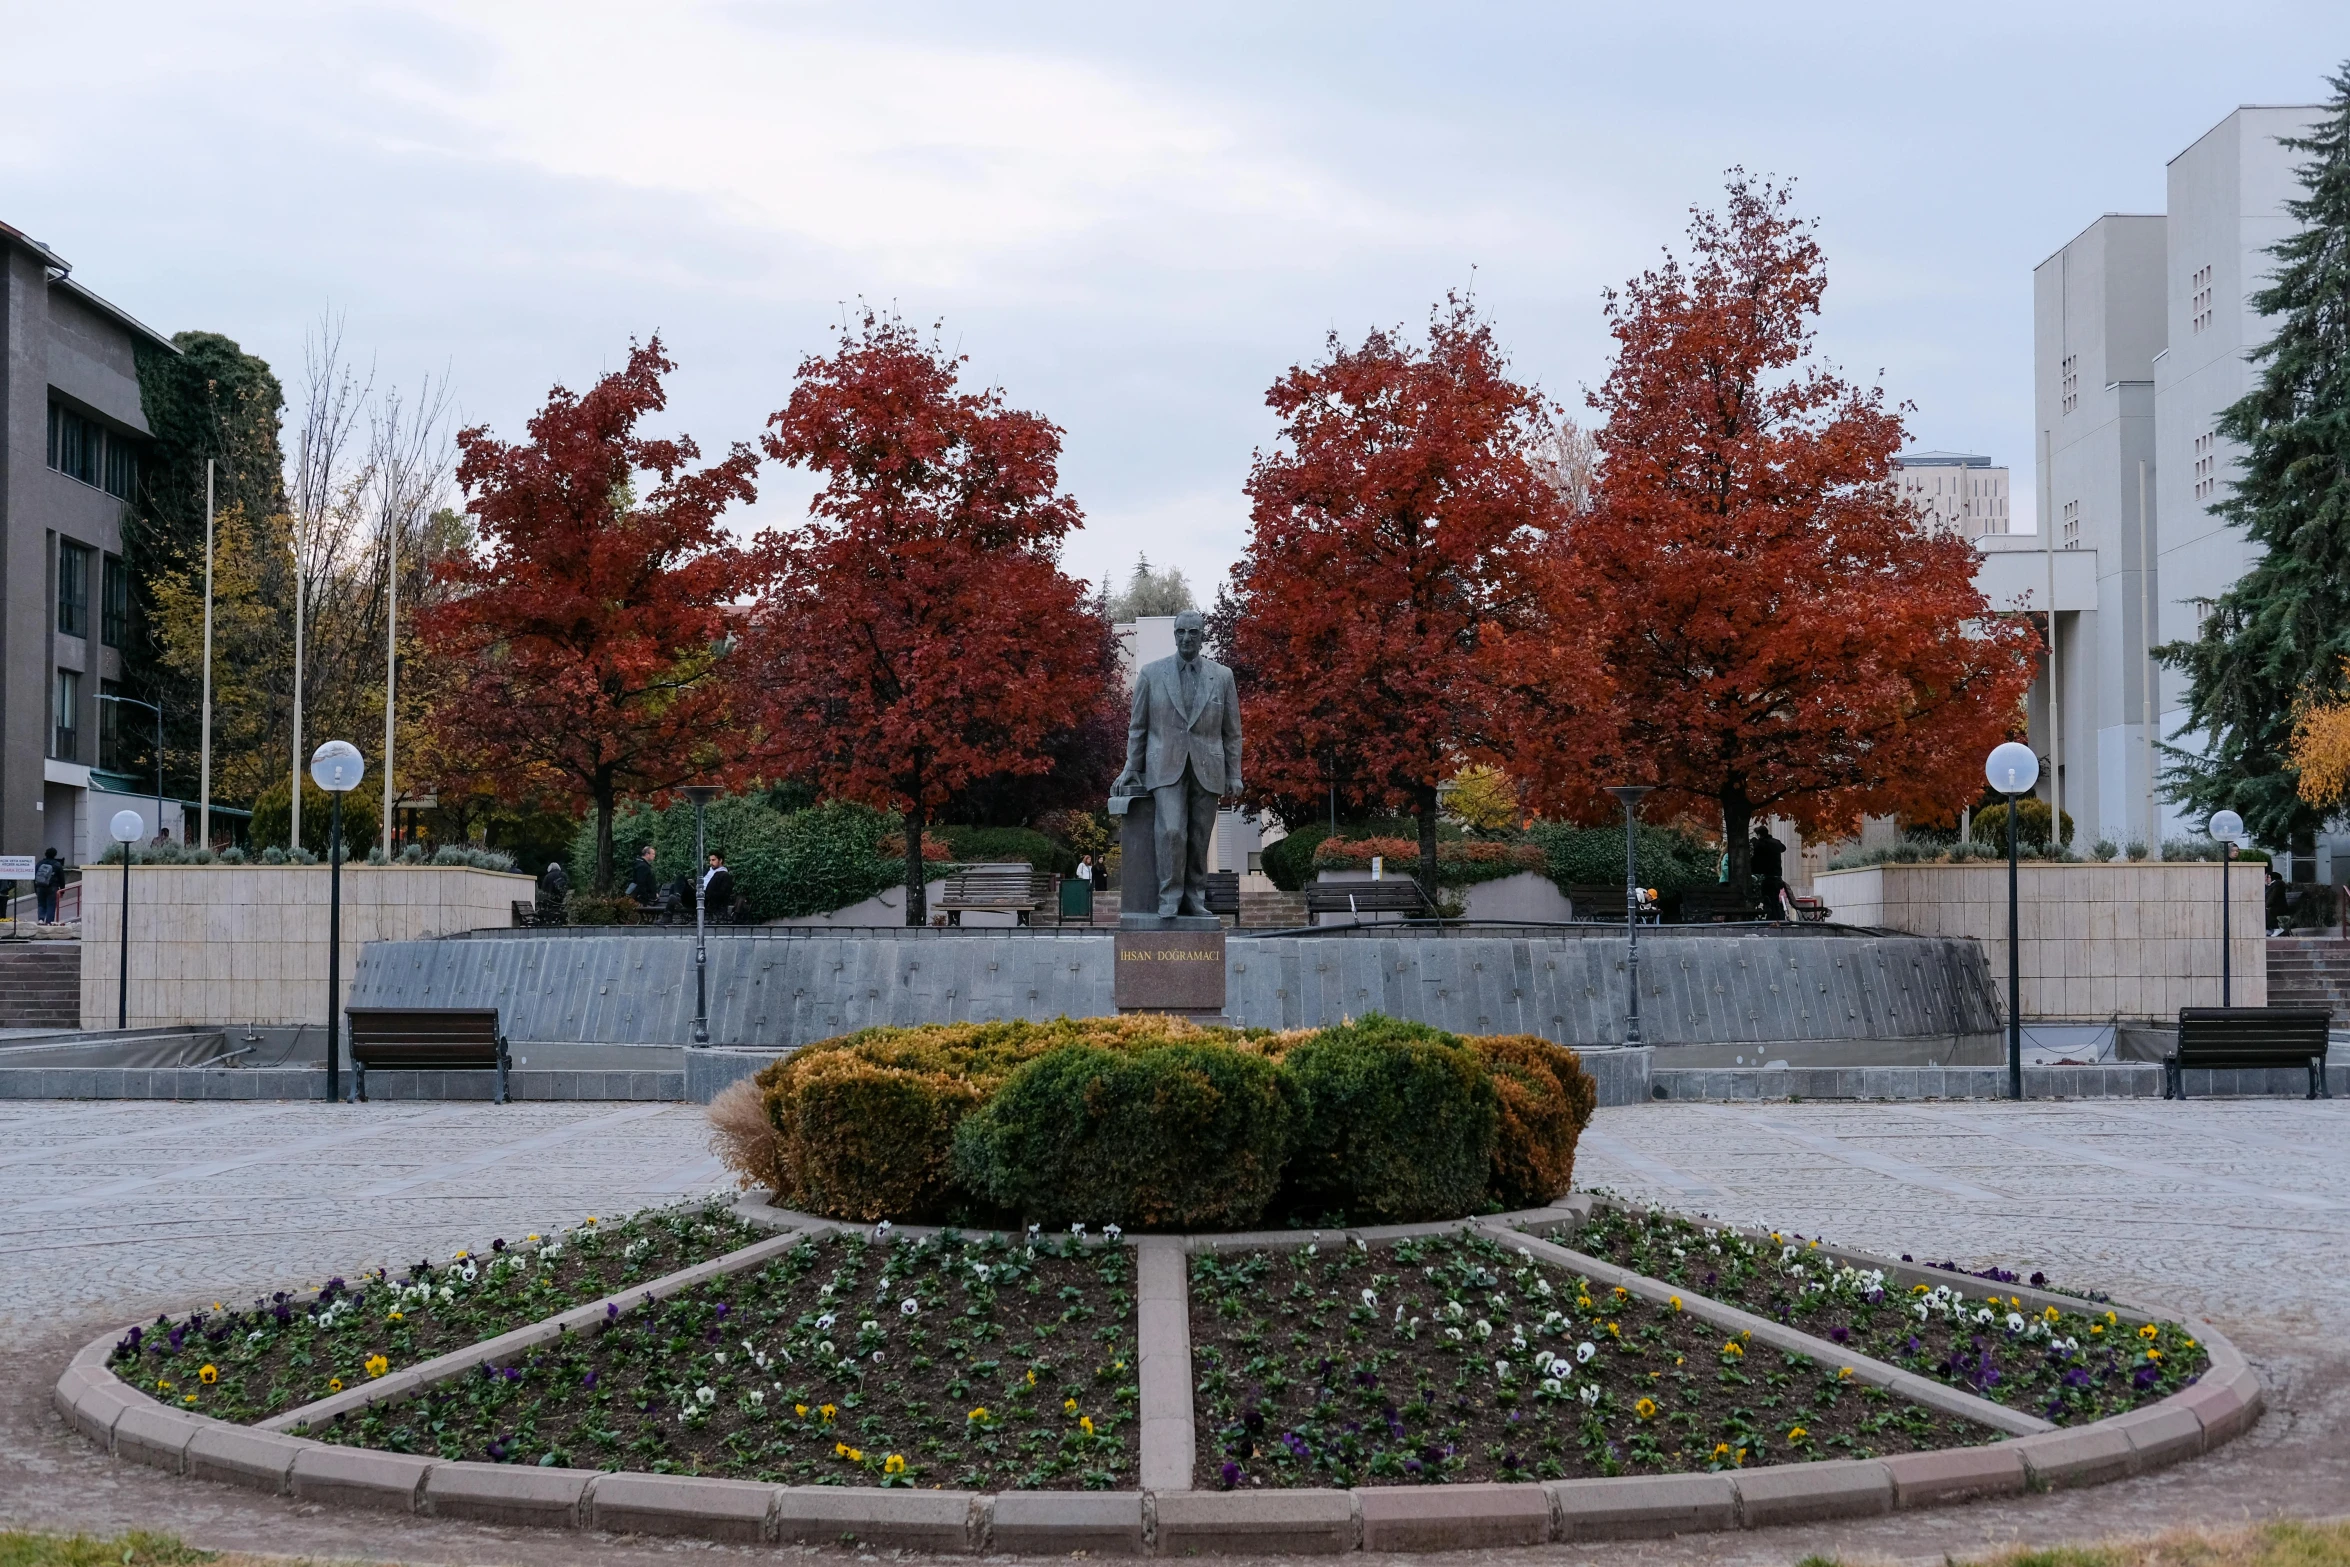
[1166, 1515]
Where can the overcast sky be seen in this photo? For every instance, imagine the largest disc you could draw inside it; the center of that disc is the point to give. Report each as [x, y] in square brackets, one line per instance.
[1131, 218]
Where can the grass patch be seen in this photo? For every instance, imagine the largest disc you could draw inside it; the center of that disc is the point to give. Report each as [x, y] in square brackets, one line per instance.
[1455, 1359]
[284, 1352]
[979, 1364]
[2068, 1367]
[136, 1549]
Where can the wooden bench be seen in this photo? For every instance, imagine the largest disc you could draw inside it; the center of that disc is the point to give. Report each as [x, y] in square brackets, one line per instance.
[2222, 1038]
[1715, 904]
[1017, 890]
[426, 1039]
[1596, 900]
[526, 914]
[1394, 895]
[1223, 893]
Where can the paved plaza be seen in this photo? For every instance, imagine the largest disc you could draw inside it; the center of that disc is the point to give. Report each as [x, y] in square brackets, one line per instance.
[2235, 1211]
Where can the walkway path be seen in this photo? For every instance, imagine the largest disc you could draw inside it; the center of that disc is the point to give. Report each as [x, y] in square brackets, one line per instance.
[2235, 1211]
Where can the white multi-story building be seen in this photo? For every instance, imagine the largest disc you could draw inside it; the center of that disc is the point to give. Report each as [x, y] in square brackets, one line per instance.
[2142, 333]
[1958, 492]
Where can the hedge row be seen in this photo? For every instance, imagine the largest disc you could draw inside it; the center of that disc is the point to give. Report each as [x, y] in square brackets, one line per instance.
[1156, 1123]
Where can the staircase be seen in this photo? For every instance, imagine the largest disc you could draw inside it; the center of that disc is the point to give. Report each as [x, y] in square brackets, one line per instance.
[2310, 971]
[41, 984]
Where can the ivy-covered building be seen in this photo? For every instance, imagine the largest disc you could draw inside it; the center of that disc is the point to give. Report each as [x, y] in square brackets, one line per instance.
[73, 435]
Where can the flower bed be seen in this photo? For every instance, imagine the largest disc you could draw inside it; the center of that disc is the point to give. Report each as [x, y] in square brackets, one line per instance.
[2068, 1367]
[246, 1365]
[1454, 1359]
[978, 1364]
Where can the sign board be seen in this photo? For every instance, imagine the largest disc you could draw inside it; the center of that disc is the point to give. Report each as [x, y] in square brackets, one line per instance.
[1170, 971]
[16, 867]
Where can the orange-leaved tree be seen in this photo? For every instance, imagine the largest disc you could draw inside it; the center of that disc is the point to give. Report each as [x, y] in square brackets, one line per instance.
[1783, 636]
[1385, 611]
[585, 629]
[917, 634]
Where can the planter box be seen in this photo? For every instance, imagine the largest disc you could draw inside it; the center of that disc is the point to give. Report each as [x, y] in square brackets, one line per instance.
[247, 943]
[2128, 940]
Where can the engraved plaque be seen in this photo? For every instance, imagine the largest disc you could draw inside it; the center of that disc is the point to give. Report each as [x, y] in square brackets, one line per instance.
[1170, 971]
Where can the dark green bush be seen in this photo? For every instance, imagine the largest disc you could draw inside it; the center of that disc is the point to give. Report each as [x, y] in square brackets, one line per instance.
[2031, 824]
[362, 820]
[784, 864]
[1181, 1136]
[1290, 863]
[1002, 845]
[1399, 1123]
[1669, 858]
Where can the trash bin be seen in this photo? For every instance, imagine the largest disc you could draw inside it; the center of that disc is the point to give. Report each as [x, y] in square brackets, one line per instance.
[1076, 898]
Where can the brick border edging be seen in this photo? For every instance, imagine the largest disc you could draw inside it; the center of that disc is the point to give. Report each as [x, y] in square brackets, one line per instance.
[1165, 1518]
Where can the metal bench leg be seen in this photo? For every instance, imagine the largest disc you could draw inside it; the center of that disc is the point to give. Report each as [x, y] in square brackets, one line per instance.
[2317, 1075]
[359, 1079]
[2174, 1081]
[502, 1057]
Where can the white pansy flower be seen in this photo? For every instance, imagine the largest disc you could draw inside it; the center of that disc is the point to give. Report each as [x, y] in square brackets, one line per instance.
[1585, 1350]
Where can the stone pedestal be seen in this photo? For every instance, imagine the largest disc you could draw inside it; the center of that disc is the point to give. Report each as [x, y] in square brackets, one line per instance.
[1138, 860]
[1174, 971]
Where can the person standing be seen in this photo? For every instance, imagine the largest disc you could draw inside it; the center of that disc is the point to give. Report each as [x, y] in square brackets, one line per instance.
[643, 885]
[717, 887]
[554, 888]
[1766, 857]
[48, 879]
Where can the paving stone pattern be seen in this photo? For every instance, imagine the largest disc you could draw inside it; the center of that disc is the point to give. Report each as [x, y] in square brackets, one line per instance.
[2237, 1211]
[134, 1206]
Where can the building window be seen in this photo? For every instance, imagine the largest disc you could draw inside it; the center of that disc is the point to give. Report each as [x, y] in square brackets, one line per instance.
[2072, 382]
[83, 449]
[2206, 466]
[2072, 525]
[68, 744]
[2199, 301]
[114, 603]
[73, 590]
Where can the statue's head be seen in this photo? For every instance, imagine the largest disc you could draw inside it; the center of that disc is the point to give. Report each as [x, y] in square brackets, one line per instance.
[1191, 630]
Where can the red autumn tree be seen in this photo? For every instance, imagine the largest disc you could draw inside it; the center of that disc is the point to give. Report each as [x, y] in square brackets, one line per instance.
[586, 625]
[1384, 607]
[917, 633]
[1783, 636]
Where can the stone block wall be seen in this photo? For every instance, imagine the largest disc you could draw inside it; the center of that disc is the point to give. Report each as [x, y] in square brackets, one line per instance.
[2095, 941]
[247, 943]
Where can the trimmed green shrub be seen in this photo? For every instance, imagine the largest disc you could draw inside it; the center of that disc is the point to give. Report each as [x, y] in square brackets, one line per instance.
[976, 845]
[1460, 862]
[1670, 859]
[865, 1123]
[273, 818]
[2031, 824]
[1179, 1136]
[1290, 862]
[1399, 1122]
[785, 864]
[589, 908]
[1545, 1100]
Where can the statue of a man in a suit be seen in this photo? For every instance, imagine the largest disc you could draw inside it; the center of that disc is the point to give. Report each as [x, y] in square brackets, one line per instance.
[1183, 749]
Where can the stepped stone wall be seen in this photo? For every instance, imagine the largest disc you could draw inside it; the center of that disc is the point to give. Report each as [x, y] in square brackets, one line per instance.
[1807, 997]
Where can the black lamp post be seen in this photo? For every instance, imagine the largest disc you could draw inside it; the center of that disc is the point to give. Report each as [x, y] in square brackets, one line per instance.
[337, 768]
[2012, 769]
[2227, 827]
[126, 828]
[1631, 795]
[701, 795]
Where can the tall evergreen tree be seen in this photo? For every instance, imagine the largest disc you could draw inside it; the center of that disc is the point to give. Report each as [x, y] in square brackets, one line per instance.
[211, 399]
[2282, 630]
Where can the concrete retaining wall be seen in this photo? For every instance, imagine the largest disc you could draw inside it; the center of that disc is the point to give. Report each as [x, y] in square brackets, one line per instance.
[1708, 998]
[2094, 942]
[247, 943]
